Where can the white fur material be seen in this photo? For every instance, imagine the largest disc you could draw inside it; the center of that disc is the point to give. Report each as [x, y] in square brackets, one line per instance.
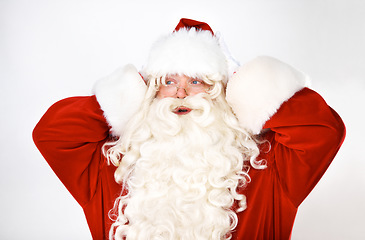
[189, 52]
[120, 95]
[232, 63]
[258, 89]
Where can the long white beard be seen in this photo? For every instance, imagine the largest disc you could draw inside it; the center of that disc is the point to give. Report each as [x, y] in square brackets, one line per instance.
[181, 174]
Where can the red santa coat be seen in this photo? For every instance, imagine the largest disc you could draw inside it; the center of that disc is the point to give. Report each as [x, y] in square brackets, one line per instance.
[304, 133]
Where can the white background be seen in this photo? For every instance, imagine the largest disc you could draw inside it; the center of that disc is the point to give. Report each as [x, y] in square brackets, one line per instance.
[50, 50]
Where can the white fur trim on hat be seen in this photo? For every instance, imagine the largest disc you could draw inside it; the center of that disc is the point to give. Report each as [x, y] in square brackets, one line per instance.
[120, 95]
[258, 89]
[187, 52]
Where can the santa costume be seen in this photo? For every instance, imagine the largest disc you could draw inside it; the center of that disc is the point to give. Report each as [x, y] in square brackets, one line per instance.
[298, 134]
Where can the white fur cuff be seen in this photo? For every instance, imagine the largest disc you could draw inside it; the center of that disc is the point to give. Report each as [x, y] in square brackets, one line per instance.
[257, 90]
[120, 95]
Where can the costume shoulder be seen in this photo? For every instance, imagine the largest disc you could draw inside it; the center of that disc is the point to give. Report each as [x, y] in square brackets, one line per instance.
[258, 88]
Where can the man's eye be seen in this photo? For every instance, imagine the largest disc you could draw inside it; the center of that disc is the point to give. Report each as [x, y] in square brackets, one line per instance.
[196, 82]
[170, 82]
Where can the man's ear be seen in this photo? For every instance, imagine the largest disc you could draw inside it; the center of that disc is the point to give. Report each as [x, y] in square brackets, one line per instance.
[120, 95]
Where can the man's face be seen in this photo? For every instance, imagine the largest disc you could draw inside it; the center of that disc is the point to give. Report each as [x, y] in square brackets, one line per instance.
[181, 86]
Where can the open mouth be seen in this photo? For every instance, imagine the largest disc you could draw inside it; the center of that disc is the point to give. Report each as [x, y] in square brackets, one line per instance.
[181, 110]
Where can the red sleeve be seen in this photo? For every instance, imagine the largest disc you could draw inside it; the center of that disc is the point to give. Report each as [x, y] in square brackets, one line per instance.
[307, 136]
[70, 136]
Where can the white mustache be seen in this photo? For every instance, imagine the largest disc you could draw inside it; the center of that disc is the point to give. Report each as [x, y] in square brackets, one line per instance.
[162, 114]
[200, 104]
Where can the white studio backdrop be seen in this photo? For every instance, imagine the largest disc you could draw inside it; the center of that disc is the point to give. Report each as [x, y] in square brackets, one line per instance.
[52, 49]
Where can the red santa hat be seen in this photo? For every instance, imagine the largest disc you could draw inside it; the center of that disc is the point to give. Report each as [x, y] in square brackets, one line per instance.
[191, 49]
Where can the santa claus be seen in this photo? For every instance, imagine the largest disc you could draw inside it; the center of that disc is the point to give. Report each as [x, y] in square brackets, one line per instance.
[193, 146]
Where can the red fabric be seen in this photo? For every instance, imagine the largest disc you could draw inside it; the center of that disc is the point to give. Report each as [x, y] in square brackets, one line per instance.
[305, 134]
[189, 23]
[70, 136]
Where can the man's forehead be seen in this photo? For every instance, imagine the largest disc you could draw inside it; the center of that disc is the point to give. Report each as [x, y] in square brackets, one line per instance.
[181, 76]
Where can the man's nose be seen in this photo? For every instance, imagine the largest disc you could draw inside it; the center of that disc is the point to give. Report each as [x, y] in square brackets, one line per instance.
[181, 93]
